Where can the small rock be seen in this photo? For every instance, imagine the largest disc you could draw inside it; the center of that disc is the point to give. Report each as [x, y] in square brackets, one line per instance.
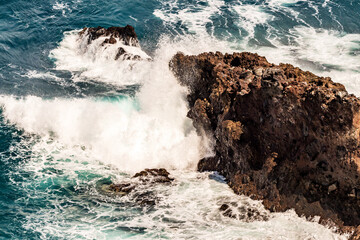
[258, 71]
[110, 40]
[356, 234]
[123, 188]
[126, 34]
[158, 175]
[121, 51]
[243, 211]
[332, 187]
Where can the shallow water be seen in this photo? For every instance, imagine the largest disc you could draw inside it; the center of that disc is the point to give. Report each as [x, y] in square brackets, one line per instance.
[72, 118]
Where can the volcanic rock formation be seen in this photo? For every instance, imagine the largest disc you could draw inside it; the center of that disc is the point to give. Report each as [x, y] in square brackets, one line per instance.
[282, 135]
[112, 35]
[126, 34]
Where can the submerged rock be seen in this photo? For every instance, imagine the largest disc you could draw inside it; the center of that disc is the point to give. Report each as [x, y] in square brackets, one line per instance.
[282, 135]
[139, 188]
[243, 212]
[154, 175]
[122, 188]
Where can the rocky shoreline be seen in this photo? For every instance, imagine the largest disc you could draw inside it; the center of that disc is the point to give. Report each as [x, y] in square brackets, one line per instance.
[282, 135]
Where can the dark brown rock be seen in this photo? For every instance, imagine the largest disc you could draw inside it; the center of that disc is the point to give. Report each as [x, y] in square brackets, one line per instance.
[146, 177]
[140, 188]
[243, 212]
[123, 54]
[110, 40]
[123, 188]
[282, 135]
[157, 175]
[126, 34]
[112, 35]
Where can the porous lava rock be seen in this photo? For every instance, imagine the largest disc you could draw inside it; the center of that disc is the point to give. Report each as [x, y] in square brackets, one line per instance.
[281, 135]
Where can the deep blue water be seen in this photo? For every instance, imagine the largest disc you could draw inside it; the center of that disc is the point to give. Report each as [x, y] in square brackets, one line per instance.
[48, 192]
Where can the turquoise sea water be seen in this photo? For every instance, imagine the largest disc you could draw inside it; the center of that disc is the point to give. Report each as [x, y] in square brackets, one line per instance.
[72, 118]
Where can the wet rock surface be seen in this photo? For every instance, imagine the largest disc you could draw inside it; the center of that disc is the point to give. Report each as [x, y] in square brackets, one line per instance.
[126, 34]
[113, 35]
[139, 187]
[155, 175]
[243, 212]
[282, 135]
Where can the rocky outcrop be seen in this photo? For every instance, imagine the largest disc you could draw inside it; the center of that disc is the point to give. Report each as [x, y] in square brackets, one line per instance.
[126, 34]
[154, 175]
[138, 188]
[112, 35]
[281, 135]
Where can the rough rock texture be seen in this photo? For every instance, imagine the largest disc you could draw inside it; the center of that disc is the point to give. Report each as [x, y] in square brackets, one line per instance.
[154, 175]
[243, 212]
[356, 234]
[112, 35]
[282, 135]
[139, 188]
[126, 34]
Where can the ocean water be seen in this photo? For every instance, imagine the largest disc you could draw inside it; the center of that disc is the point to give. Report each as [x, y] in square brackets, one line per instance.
[73, 119]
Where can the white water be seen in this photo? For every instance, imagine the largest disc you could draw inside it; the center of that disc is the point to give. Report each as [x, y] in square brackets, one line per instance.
[194, 17]
[324, 52]
[96, 62]
[148, 131]
[158, 134]
[186, 209]
[94, 136]
[339, 59]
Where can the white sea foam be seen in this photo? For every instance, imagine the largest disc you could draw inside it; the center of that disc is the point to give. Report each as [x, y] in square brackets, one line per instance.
[187, 208]
[251, 16]
[151, 130]
[60, 6]
[41, 75]
[115, 133]
[327, 53]
[63, 7]
[282, 2]
[95, 61]
[195, 16]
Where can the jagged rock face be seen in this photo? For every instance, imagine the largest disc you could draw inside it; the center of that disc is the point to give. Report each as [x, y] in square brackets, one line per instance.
[126, 34]
[282, 135]
[113, 35]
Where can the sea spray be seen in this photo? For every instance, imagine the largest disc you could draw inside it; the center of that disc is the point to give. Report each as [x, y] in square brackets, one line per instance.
[49, 184]
[148, 131]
